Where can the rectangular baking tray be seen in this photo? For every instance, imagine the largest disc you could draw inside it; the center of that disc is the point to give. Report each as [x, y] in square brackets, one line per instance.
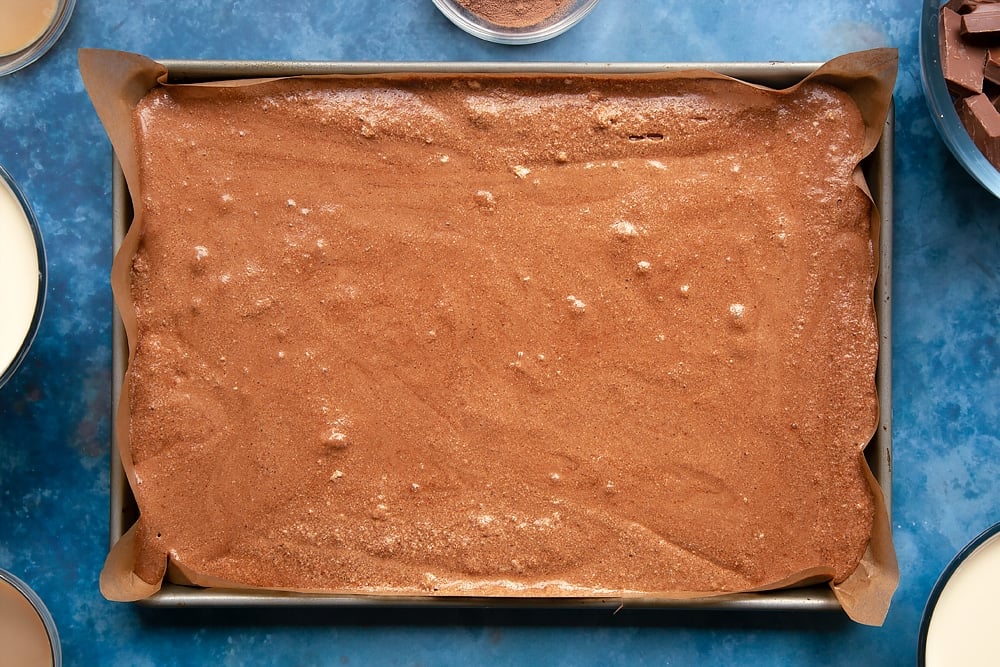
[878, 171]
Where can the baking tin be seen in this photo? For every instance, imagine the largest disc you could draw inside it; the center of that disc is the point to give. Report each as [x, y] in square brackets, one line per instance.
[36, 319]
[925, 622]
[878, 171]
[38, 48]
[41, 610]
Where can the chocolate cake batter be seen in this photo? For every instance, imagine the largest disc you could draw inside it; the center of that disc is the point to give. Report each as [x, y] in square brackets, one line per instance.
[502, 336]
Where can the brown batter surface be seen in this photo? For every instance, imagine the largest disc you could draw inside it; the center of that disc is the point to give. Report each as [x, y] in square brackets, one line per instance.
[525, 336]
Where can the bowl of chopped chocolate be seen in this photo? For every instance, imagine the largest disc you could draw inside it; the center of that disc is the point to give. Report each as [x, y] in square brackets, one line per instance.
[960, 67]
[515, 21]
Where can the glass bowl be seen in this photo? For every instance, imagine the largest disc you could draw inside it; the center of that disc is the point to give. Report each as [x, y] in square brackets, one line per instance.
[11, 585]
[966, 593]
[942, 108]
[559, 22]
[9, 189]
[12, 62]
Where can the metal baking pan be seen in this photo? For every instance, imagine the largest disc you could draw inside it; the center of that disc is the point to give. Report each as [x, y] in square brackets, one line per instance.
[878, 171]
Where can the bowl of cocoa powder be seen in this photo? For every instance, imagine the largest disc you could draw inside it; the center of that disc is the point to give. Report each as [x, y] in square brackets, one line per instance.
[515, 21]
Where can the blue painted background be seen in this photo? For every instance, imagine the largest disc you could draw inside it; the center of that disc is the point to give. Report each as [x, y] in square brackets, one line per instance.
[54, 416]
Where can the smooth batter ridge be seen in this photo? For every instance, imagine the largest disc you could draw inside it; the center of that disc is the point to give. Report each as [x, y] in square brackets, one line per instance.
[502, 335]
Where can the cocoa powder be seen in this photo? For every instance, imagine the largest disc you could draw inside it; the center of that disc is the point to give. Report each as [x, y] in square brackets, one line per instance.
[515, 13]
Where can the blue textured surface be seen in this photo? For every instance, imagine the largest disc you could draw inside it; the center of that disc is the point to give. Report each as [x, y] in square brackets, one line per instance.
[54, 415]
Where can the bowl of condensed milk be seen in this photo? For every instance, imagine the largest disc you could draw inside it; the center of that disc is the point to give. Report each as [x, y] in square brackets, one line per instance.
[29, 28]
[961, 622]
[28, 635]
[22, 276]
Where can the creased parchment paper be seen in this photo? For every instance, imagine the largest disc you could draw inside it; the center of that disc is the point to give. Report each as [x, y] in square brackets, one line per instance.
[116, 81]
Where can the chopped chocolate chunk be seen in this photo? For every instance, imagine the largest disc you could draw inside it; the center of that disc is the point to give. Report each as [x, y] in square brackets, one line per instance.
[982, 121]
[961, 63]
[991, 90]
[982, 25]
[961, 6]
[992, 70]
[966, 6]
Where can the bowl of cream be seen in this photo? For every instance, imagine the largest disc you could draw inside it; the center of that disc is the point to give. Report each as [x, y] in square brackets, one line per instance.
[22, 276]
[961, 622]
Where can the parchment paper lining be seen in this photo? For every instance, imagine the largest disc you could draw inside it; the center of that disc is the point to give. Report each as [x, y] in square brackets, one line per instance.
[116, 81]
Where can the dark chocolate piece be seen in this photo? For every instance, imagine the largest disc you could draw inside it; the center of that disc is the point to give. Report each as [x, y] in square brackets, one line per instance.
[992, 70]
[982, 121]
[966, 6]
[961, 6]
[982, 25]
[991, 90]
[961, 63]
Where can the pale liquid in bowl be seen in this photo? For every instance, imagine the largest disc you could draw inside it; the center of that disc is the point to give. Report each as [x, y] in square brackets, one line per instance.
[22, 22]
[965, 624]
[18, 275]
[24, 641]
